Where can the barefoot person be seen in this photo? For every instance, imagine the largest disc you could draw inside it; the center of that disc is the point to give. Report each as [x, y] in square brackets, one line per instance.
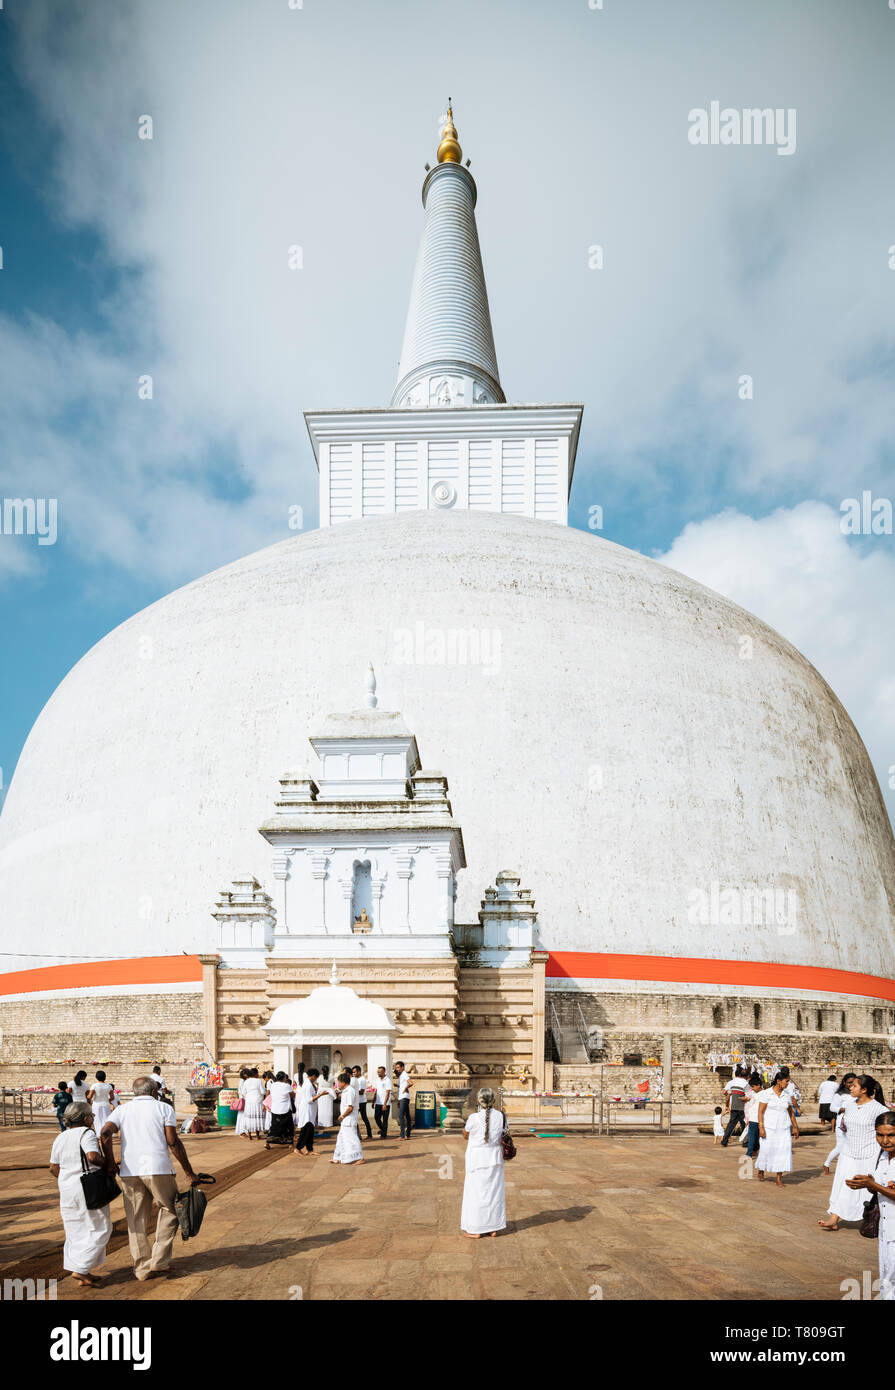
[776, 1129]
[348, 1146]
[484, 1210]
[86, 1232]
[859, 1150]
[882, 1181]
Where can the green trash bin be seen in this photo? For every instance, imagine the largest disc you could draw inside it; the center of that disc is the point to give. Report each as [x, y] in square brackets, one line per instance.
[424, 1110]
[442, 1114]
[226, 1114]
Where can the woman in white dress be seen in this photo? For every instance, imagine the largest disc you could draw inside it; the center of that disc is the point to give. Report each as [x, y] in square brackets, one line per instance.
[266, 1078]
[776, 1129]
[86, 1232]
[881, 1180]
[348, 1146]
[79, 1086]
[859, 1150]
[837, 1105]
[100, 1096]
[241, 1095]
[253, 1115]
[325, 1104]
[484, 1211]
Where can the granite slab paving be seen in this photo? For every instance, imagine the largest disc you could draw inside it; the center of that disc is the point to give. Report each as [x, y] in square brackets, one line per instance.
[648, 1216]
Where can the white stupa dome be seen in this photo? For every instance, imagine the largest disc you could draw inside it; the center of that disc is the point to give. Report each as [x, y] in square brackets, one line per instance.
[622, 754]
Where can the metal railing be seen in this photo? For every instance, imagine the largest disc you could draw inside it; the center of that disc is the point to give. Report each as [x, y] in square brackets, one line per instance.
[556, 1030]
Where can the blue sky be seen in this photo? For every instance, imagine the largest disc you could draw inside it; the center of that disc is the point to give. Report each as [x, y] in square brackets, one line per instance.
[276, 126]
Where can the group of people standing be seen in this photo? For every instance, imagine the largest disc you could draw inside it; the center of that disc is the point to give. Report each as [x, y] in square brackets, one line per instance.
[864, 1152]
[272, 1107]
[767, 1115]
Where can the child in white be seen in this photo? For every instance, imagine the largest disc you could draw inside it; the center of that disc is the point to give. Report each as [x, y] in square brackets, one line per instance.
[718, 1125]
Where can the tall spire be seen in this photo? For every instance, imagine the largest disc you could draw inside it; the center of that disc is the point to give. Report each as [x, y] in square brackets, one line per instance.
[448, 356]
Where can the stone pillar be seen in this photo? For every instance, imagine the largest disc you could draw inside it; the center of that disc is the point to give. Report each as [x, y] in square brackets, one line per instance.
[280, 868]
[210, 965]
[538, 1022]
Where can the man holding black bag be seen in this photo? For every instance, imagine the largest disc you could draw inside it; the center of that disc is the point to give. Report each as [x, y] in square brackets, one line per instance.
[149, 1138]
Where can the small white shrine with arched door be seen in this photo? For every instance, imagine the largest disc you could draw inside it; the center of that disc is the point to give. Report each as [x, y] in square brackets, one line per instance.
[332, 1027]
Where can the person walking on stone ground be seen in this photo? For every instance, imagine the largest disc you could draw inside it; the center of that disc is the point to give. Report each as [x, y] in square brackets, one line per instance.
[79, 1087]
[267, 1078]
[360, 1078]
[282, 1104]
[825, 1093]
[148, 1131]
[841, 1097]
[62, 1099]
[241, 1095]
[306, 1111]
[776, 1129]
[326, 1097]
[348, 1146]
[735, 1103]
[718, 1126]
[752, 1136]
[383, 1101]
[859, 1149]
[484, 1209]
[100, 1097]
[403, 1100]
[253, 1114]
[86, 1232]
[882, 1181]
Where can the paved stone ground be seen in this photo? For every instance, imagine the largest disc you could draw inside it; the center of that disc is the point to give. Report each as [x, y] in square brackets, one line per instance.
[637, 1216]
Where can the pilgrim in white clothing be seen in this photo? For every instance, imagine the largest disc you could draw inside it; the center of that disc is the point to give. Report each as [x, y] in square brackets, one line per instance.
[101, 1103]
[858, 1155]
[86, 1232]
[253, 1115]
[884, 1173]
[484, 1209]
[775, 1150]
[348, 1146]
[325, 1104]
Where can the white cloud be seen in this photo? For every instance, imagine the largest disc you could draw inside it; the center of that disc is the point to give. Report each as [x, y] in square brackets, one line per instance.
[832, 597]
[275, 127]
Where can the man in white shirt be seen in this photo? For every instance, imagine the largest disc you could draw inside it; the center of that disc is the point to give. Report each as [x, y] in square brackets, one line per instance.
[148, 1130]
[161, 1084]
[360, 1082]
[825, 1093]
[403, 1099]
[383, 1100]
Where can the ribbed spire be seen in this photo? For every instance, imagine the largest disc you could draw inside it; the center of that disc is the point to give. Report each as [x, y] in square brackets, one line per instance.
[448, 356]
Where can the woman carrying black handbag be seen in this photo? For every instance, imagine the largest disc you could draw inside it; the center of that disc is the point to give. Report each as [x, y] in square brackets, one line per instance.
[85, 1190]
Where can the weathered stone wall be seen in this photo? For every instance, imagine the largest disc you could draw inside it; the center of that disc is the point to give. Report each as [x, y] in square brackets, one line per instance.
[115, 1029]
[420, 995]
[498, 1009]
[694, 1084]
[633, 1022]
